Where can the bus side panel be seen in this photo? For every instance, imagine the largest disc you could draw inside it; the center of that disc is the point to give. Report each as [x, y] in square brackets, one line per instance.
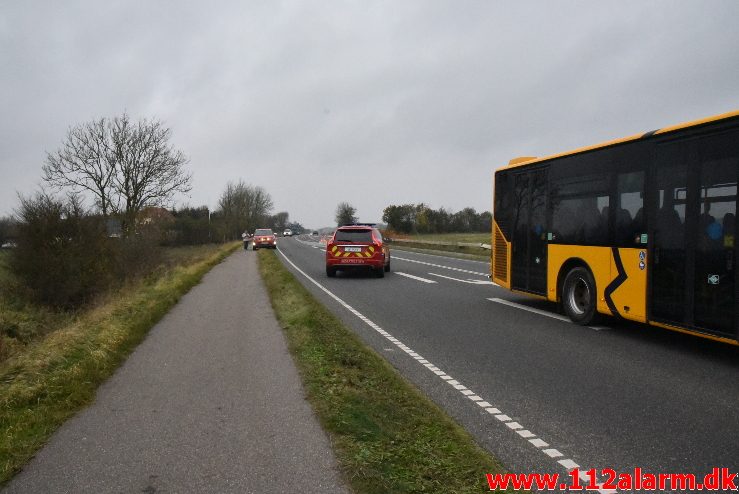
[629, 295]
[598, 260]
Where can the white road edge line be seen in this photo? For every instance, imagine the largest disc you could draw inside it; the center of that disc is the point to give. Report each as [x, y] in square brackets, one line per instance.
[564, 462]
[417, 278]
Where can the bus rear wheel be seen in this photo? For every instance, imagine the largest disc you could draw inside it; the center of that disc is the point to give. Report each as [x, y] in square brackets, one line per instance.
[579, 296]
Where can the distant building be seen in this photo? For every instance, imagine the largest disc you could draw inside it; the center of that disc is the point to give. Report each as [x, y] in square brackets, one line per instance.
[154, 215]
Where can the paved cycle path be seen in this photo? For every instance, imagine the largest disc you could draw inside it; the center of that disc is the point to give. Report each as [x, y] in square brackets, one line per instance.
[209, 402]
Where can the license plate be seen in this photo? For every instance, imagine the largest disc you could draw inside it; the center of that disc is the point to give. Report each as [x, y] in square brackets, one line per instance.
[352, 249]
[352, 261]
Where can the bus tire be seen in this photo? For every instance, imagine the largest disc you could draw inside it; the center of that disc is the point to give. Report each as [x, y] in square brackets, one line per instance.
[579, 296]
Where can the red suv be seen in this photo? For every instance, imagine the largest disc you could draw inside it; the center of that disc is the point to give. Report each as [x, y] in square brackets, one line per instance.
[264, 237]
[357, 246]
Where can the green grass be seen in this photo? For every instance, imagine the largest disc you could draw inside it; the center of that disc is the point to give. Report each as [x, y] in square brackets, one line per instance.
[474, 238]
[448, 243]
[57, 375]
[388, 437]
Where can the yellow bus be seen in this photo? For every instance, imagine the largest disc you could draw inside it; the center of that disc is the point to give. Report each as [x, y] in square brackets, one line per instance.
[641, 228]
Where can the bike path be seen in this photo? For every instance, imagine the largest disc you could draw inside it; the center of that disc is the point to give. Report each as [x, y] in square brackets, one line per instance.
[210, 401]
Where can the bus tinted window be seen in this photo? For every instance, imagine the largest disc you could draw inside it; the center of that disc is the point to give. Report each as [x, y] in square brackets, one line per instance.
[629, 214]
[580, 210]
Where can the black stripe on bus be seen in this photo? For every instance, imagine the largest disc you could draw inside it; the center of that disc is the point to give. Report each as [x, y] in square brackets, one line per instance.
[617, 282]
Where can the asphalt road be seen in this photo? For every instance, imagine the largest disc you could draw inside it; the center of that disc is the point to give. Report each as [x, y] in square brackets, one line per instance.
[210, 402]
[540, 393]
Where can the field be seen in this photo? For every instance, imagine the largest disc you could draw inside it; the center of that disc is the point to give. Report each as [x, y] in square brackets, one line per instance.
[451, 243]
[22, 322]
[471, 238]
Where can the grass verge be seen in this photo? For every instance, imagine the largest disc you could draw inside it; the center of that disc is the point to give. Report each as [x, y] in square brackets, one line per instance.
[448, 243]
[388, 437]
[58, 375]
[474, 238]
[459, 251]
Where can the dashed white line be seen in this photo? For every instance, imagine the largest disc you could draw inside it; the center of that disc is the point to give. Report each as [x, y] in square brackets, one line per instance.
[553, 453]
[515, 426]
[539, 443]
[440, 266]
[486, 263]
[471, 282]
[417, 278]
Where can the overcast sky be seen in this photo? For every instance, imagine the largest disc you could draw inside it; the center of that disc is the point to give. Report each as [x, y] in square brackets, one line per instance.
[369, 102]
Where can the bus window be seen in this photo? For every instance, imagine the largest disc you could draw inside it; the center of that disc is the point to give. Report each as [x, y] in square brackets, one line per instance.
[630, 224]
[580, 209]
[715, 258]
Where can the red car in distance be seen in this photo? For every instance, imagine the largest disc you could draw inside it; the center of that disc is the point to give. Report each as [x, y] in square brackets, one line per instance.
[264, 237]
[358, 246]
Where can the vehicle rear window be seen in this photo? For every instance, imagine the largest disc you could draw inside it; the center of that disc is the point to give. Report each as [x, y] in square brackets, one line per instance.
[263, 232]
[357, 236]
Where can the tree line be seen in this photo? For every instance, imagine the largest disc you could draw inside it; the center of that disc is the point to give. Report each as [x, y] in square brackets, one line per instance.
[66, 252]
[419, 218]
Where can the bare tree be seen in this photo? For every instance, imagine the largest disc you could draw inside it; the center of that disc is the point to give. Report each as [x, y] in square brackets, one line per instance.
[345, 214]
[150, 169]
[279, 221]
[243, 207]
[85, 162]
[126, 165]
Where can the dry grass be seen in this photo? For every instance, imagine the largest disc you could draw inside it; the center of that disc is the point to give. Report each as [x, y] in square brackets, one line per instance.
[56, 375]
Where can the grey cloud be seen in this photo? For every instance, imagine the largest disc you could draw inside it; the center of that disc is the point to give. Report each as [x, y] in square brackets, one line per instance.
[310, 100]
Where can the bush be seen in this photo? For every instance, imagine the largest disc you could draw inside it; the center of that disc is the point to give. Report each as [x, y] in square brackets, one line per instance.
[63, 256]
[137, 255]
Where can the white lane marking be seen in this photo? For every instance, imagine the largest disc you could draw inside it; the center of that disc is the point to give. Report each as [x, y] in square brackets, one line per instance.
[486, 263]
[460, 270]
[514, 426]
[417, 278]
[539, 443]
[552, 453]
[530, 309]
[470, 281]
[568, 464]
[540, 312]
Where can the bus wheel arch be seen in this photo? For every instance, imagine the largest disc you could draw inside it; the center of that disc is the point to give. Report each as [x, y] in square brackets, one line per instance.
[577, 291]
